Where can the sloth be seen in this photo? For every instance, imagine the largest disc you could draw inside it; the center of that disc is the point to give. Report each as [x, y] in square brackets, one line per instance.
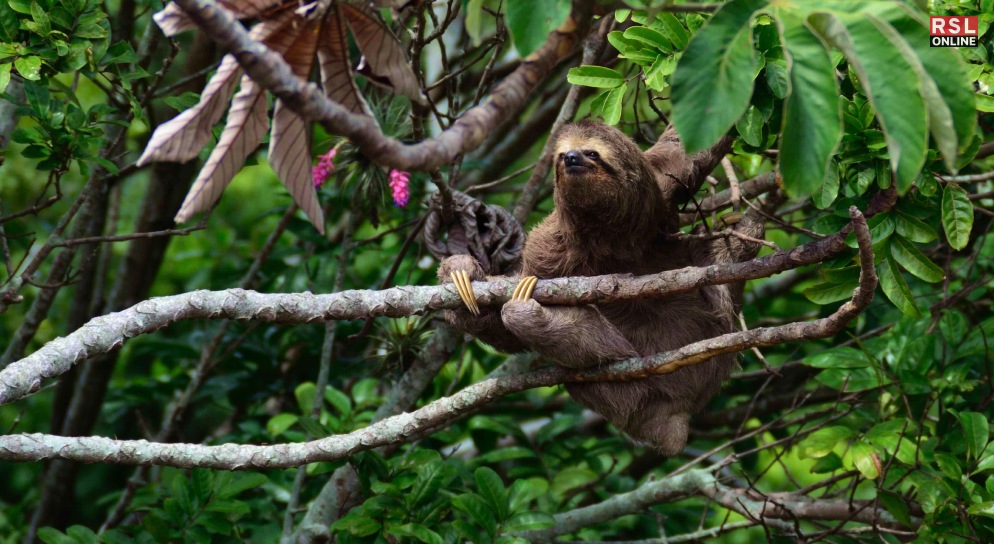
[616, 212]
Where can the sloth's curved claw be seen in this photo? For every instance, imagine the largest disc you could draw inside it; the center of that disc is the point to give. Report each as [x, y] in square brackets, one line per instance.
[465, 289]
[731, 218]
[524, 289]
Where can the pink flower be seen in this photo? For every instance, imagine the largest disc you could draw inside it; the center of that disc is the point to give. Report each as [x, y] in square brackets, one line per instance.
[322, 170]
[399, 187]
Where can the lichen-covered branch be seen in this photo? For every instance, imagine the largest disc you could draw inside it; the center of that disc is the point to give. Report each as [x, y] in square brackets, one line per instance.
[109, 332]
[401, 427]
[771, 510]
[269, 70]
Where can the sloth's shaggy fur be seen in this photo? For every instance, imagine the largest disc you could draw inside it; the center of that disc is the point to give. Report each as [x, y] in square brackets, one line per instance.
[616, 209]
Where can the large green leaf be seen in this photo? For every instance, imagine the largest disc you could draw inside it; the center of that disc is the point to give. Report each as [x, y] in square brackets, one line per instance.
[896, 289]
[890, 84]
[908, 256]
[595, 76]
[945, 67]
[713, 82]
[827, 293]
[812, 119]
[531, 22]
[957, 216]
[950, 122]
[913, 229]
[977, 431]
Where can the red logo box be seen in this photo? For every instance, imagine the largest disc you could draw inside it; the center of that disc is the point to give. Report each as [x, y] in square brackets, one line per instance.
[953, 30]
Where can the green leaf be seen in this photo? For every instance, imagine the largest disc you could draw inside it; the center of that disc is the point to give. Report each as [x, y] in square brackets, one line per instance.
[946, 69]
[827, 293]
[43, 25]
[477, 508]
[655, 76]
[357, 524]
[529, 521]
[49, 535]
[474, 21]
[29, 67]
[491, 488]
[827, 464]
[182, 102]
[866, 460]
[613, 104]
[957, 216]
[305, 394]
[630, 49]
[812, 120]
[896, 289]
[888, 434]
[908, 256]
[90, 31]
[713, 81]
[595, 76]
[750, 127]
[531, 22]
[9, 24]
[949, 466]
[312, 427]
[339, 400]
[985, 103]
[843, 357]
[4, 76]
[279, 423]
[887, 80]
[979, 341]
[572, 478]
[431, 478]
[821, 442]
[523, 491]
[778, 77]
[825, 196]
[228, 506]
[881, 228]
[20, 6]
[913, 229]
[977, 431]
[651, 37]
[241, 481]
[506, 454]
[416, 531]
[673, 29]
[896, 505]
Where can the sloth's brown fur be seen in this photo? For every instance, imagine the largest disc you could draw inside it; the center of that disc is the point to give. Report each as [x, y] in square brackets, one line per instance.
[613, 215]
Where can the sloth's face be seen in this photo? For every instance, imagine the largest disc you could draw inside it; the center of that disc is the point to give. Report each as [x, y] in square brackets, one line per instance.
[579, 157]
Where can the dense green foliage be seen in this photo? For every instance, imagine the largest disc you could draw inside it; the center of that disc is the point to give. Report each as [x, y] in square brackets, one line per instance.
[847, 100]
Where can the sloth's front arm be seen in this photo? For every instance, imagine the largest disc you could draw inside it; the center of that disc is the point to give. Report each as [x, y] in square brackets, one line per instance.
[573, 336]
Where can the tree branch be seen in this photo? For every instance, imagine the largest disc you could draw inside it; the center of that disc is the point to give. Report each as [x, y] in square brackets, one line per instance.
[402, 427]
[269, 70]
[109, 332]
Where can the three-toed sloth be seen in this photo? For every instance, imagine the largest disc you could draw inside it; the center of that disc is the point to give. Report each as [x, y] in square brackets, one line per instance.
[616, 212]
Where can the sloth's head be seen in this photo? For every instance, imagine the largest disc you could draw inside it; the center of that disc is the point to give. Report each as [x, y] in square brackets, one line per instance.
[602, 177]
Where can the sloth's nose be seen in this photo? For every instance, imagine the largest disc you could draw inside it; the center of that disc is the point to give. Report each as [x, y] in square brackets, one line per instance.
[573, 158]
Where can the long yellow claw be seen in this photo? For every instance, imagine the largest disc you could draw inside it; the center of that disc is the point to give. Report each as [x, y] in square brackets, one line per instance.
[461, 279]
[524, 289]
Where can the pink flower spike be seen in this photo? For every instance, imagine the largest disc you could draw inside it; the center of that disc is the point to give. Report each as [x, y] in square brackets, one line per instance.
[399, 188]
[322, 170]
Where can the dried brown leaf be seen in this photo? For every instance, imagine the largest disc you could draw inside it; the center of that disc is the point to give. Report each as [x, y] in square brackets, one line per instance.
[247, 124]
[385, 58]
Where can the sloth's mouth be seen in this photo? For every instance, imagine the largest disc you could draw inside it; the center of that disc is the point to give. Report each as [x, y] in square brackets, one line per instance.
[574, 169]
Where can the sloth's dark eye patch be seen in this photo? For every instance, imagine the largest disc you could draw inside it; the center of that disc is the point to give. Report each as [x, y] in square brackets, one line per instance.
[591, 154]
